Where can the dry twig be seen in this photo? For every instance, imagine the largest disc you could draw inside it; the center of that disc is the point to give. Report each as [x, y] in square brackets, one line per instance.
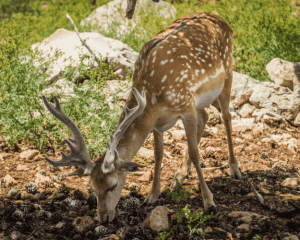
[83, 42]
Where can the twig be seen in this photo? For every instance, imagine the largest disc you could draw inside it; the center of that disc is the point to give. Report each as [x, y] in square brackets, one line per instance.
[82, 41]
[258, 196]
[212, 168]
[31, 234]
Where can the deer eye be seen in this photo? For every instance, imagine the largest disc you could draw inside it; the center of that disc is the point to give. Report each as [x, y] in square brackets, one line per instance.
[112, 188]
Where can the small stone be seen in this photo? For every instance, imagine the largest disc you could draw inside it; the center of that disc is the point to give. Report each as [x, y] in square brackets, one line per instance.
[244, 227]
[208, 230]
[22, 167]
[292, 183]
[178, 134]
[59, 225]
[9, 180]
[246, 219]
[157, 219]
[29, 154]
[146, 153]
[146, 177]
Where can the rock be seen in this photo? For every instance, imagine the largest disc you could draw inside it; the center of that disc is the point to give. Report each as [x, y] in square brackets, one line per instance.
[59, 225]
[22, 167]
[247, 219]
[9, 180]
[292, 183]
[103, 17]
[157, 219]
[29, 154]
[246, 110]
[146, 177]
[284, 73]
[239, 214]
[242, 125]
[213, 115]
[40, 179]
[178, 134]
[293, 145]
[240, 90]
[208, 230]
[62, 86]
[297, 120]
[114, 51]
[288, 236]
[146, 153]
[258, 129]
[275, 102]
[244, 227]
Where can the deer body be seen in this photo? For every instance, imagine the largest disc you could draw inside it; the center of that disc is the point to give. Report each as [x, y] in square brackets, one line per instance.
[182, 70]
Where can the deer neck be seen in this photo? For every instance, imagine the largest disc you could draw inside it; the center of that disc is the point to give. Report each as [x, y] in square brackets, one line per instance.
[137, 132]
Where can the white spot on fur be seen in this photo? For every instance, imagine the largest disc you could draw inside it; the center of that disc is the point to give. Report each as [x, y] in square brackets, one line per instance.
[154, 53]
[202, 71]
[168, 52]
[184, 56]
[164, 62]
[188, 65]
[196, 72]
[172, 60]
[153, 61]
[151, 73]
[153, 100]
[164, 78]
[210, 65]
[171, 71]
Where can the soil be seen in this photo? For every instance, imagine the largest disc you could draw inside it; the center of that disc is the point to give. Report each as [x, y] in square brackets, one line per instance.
[265, 164]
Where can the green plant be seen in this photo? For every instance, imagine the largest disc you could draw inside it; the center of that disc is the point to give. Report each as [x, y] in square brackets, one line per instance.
[256, 237]
[179, 197]
[164, 233]
[198, 218]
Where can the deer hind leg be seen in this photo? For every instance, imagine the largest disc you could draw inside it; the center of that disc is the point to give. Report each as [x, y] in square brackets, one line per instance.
[158, 153]
[185, 166]
[190, 124]
[224, 100]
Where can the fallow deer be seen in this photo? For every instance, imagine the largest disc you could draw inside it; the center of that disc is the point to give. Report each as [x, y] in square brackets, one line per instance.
[182, 70]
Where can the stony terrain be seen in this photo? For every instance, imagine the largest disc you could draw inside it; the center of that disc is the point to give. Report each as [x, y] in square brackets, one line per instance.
[265, 154]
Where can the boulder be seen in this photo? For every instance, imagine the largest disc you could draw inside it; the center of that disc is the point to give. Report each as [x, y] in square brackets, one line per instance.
[29, 154]
[71, 48]
[286, 74]
[113, 14]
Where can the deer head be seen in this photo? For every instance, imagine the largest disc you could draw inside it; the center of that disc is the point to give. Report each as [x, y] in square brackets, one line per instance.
[106, 171]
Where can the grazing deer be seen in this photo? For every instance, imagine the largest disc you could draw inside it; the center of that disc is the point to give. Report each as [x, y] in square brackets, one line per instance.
[182, 70]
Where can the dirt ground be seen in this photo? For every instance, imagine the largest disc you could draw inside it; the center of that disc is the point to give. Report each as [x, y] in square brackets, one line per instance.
[267, 164]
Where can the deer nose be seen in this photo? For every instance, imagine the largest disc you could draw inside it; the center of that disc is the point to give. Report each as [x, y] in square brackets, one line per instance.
[105, 217]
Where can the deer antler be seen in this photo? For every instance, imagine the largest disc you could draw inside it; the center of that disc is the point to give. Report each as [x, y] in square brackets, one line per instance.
[130, 114]
[79, 155]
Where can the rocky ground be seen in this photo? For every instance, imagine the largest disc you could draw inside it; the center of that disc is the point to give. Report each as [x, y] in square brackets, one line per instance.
[55, 209]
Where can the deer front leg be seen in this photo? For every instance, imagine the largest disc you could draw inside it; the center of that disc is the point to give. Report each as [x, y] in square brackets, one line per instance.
[185, 166]
[158, 153]
[190, 125]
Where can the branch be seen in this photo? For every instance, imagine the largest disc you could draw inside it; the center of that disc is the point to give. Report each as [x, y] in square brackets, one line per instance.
[212, 168]
[83, 42]
[130, 8]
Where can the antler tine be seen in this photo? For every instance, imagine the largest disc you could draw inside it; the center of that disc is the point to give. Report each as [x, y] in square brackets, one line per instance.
[130, 115]
[79, 155]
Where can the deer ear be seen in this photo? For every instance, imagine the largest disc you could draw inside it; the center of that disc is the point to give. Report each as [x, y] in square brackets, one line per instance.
[122, 165]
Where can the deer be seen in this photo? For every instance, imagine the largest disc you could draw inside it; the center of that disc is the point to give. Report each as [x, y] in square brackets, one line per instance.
[179, 72]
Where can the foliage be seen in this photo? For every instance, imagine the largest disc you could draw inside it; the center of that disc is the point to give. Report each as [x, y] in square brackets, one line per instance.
[180, 196]
[198, 218]
[256, 237]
